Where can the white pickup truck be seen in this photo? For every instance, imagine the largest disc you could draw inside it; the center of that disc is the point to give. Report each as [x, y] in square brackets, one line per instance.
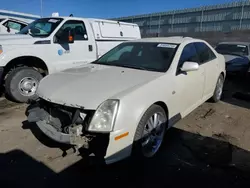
[11, 25]
[53, 44]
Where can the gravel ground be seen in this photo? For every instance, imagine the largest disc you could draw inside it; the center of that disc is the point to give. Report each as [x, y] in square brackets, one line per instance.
[208, 148]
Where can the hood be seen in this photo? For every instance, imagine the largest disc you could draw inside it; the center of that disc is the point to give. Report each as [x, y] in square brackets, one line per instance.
[236, 59]
[91, 85]
[13, 39]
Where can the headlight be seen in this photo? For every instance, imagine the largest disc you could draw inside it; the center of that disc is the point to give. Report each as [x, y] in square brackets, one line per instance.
[1, 49]
[104, 117]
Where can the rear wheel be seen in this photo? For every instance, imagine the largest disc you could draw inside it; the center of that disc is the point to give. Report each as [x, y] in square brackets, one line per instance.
[218, 89]
[150, 132]
[21, 84]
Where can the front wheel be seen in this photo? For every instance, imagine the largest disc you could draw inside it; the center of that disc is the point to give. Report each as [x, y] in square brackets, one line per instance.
[218, 89]
[150, 132]
[21, 84]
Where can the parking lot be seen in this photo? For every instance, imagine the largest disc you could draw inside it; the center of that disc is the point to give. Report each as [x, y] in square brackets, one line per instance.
[210, 147]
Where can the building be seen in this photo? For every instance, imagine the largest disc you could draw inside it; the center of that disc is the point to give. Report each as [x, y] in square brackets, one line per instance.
[222, 17]
[17, 15]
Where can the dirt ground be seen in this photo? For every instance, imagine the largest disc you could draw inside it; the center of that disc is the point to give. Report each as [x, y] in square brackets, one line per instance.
[209, 148]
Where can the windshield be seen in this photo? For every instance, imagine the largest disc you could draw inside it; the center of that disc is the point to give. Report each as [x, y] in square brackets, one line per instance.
[145, 56]
[41, 27]
[233, 49]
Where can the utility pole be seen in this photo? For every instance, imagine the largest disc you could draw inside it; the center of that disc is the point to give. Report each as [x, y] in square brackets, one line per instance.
[41, 1]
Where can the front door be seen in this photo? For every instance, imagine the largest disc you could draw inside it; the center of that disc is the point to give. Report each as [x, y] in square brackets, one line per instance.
[209, 62]
[80, 52]
[189, 85]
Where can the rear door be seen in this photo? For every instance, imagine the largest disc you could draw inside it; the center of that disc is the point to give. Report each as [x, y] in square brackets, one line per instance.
[82, 51]
[189, 85]
[209, 62]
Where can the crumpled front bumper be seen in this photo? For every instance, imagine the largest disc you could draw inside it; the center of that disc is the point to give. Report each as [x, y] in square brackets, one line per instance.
[75, 136]
[52, 133]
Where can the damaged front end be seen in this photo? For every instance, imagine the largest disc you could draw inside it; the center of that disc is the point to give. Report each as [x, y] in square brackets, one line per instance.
[67, 125]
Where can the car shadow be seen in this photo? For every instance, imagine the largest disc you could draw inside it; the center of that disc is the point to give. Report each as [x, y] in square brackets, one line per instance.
[237, 91]
[186, 159]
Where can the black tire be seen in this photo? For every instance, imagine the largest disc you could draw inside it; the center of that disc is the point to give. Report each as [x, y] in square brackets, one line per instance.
[215, 98]
[137, 146]
[13, 79]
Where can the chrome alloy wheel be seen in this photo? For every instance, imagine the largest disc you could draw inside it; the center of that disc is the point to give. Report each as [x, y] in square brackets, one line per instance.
[153, 134]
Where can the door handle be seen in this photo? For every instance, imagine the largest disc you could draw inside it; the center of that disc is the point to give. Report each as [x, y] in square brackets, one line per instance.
[90, 48]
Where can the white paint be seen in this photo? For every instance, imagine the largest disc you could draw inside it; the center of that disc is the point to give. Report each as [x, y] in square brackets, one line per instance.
[15, 46]
[91, 85]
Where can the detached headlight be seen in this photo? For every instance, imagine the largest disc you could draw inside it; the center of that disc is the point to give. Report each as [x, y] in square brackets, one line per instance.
[104, 117]
[1, 49]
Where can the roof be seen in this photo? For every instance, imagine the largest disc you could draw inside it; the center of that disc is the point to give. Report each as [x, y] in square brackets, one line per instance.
[90, 19]
[174, 39]
[235, 42]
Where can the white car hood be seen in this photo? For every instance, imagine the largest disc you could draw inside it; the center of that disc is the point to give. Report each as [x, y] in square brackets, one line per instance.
[13, 39]
[91, 85]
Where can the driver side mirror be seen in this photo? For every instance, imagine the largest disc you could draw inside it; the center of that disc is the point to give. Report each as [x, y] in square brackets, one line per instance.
[189, 66]
[8, 29]
[66, 37]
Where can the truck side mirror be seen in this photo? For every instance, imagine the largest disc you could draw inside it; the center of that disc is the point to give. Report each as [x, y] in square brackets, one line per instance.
[8, 29]
[66, 37]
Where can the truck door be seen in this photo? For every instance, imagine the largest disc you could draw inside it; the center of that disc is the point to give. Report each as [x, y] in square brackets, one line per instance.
[82, 51]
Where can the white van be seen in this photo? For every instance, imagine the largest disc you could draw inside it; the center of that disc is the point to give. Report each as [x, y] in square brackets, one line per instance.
[53, 44]
[11, 25]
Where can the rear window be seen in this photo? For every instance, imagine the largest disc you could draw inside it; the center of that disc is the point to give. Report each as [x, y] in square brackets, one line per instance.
[234, 49]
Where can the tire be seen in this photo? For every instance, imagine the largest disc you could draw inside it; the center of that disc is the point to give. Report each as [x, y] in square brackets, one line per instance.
[218, 89]
[138, 150]
[14, 84]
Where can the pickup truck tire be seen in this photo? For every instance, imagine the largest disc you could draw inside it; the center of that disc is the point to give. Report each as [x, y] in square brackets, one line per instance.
[146, 136]
[21, 84]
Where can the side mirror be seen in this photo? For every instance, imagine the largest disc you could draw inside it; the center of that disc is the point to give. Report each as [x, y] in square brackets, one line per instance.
[8, 29]
[66, 37]
[189, 66]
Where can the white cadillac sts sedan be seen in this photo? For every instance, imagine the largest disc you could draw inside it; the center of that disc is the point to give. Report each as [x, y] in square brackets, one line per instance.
[122, 104]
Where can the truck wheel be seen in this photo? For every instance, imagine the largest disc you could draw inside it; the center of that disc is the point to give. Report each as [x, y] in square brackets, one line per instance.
[150, 132]
[21, 84]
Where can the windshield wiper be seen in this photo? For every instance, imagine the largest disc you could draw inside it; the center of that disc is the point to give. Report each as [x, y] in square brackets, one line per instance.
[125, 66]
[133, 67]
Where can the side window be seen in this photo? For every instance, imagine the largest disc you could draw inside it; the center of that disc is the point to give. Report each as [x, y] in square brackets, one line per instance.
[204, 52]
[188, 54]
[13, 25]
[77, 27]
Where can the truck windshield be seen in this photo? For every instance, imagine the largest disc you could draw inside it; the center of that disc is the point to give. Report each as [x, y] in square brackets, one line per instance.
[42, 27]
[140, 55]
[233, 49]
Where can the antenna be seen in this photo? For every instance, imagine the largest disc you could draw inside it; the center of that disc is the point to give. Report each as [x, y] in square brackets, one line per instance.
[71, 15]
[41, 1]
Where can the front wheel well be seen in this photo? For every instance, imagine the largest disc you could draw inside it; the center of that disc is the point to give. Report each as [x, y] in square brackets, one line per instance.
[28, 61]
[223, 74]
[163, 105]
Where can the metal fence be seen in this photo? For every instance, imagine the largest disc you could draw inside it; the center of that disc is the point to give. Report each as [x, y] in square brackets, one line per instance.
[226, 18]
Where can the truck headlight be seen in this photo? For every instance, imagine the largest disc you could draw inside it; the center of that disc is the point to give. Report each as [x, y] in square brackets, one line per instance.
[104, 117]
[1, 49]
